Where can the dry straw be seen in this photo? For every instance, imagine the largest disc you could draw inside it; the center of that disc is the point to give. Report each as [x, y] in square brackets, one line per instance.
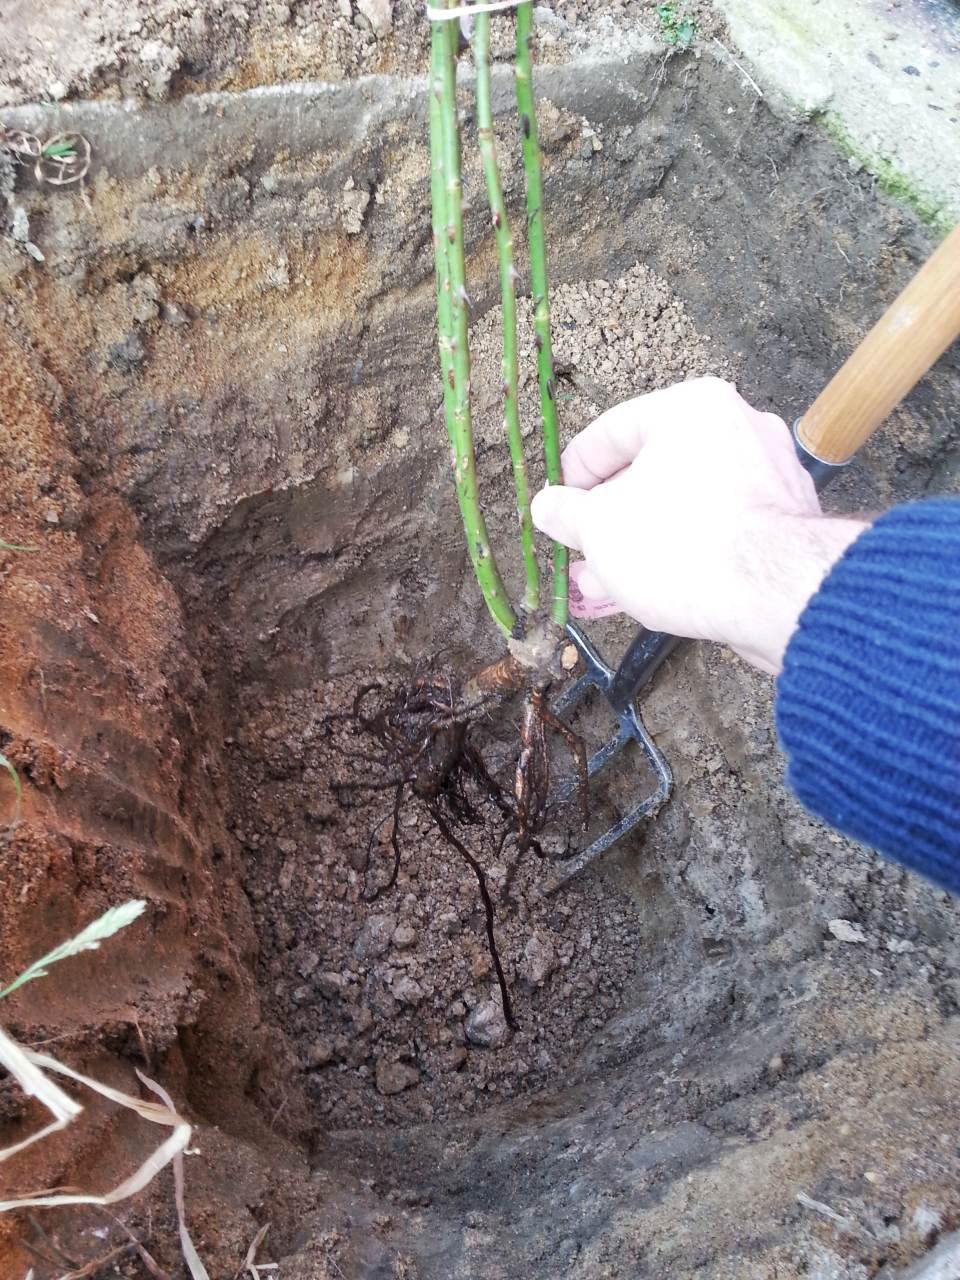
[32, 1072]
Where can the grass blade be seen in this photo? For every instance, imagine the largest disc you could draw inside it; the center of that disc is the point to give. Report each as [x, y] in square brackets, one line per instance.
[5, 764]
[17, 1060]
[197, 1270]
[89, 939]
[152, 1111]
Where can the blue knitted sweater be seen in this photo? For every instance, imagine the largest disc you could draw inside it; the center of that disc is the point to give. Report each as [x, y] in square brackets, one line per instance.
[868, 704]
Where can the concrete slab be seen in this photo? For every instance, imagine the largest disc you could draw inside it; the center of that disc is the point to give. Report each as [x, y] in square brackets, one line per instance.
[884, 74]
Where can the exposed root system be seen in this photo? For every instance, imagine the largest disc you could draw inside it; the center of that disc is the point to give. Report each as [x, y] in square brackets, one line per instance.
[429, 751]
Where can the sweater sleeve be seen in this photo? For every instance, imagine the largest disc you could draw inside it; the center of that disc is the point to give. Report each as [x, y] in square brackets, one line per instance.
[868, 703]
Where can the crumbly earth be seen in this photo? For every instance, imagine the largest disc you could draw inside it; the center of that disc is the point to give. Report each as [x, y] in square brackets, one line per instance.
[231, 341]
[390, 993]
[157, 49]
[612, 339]
[365, 978]
[102, 719]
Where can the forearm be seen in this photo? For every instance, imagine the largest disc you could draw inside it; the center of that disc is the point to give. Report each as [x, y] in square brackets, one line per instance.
[868, 705]
[695, 517]
[777, 565]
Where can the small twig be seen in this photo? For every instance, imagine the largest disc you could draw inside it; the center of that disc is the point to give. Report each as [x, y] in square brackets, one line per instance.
[38, 1253]
[279, 1112]
[52, 1244]
[146, 1258]
[740, 67]
[249, 1264]
[93, 1267]
[143, 1043]
[845, 1224]
[394, 840]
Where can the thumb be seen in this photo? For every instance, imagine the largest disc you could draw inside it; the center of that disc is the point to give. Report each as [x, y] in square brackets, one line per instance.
[589, 598]
[559, 511]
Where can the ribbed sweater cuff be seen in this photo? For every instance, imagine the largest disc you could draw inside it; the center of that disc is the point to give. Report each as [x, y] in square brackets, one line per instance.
[868, 704]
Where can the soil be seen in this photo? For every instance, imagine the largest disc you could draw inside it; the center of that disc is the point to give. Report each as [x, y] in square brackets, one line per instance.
[222, 430]
[383, 976]
[156, 50]
[404, 975]
[101, 700]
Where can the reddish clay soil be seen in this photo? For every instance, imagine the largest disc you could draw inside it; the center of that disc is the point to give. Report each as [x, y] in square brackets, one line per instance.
[120, 801]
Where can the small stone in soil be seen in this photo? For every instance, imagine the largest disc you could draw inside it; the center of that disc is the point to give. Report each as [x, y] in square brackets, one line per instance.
[379, 13]
[407, 990]
[404, 937]
[394, 1077]
[319, 1054]
[382, 1003]
[362, 1019]
[539, 961]
[486, 1026]
[846, 931]
[450, 923]
[374, 938]
[331, 984]
[358, 857]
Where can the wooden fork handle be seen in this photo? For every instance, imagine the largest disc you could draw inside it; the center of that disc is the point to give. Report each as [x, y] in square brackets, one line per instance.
[914, 332]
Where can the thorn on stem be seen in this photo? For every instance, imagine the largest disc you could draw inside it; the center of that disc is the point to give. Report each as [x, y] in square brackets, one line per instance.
[550, 388]
[525, 125]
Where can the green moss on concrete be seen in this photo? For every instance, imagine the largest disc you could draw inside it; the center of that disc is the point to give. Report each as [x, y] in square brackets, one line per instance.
[932, 212]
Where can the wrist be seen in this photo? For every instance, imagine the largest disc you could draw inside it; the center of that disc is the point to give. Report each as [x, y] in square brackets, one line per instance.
[778, 562]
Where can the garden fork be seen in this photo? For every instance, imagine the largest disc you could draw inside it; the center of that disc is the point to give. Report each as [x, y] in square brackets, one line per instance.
[914, 332]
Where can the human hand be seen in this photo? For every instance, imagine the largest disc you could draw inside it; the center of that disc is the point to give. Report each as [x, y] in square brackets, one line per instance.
[695, 516]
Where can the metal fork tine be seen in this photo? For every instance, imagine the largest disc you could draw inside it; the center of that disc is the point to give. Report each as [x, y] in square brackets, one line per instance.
[630, 728]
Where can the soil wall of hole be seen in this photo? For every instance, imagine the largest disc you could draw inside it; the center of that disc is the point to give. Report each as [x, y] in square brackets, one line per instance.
[224, 437]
